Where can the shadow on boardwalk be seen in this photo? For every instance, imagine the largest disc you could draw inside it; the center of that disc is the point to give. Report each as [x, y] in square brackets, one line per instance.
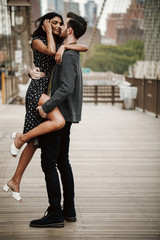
[115, 156]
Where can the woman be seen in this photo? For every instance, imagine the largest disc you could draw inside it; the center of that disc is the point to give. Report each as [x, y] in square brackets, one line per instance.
[44, 45]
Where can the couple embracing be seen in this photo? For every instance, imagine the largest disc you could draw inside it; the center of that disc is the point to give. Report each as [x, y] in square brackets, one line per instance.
[53, 103]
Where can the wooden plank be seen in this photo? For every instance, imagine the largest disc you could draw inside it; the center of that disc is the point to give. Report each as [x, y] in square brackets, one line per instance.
[115, 157]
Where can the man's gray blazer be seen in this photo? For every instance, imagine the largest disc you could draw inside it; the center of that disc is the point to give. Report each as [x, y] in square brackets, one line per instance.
[67, 88]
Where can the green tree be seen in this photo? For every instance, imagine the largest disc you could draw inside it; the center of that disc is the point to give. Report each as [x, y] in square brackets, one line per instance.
[115, 58]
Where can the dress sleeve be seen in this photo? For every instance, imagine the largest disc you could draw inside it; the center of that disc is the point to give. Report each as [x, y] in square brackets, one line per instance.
[37, 37]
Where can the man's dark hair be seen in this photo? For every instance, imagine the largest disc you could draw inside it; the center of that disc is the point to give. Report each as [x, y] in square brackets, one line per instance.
[77, 23]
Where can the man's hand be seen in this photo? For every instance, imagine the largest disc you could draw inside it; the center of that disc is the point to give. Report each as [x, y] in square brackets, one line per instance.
[41, 112]
[59, 53]
[36, 74]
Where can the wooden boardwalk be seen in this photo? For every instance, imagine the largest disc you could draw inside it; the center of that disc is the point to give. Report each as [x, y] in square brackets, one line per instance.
[115, 156]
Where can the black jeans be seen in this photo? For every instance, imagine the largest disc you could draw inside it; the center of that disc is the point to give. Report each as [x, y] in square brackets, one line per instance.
[55, 154]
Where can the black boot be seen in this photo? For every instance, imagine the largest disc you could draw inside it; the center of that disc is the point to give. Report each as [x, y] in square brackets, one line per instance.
[69, 215]
[48, 221]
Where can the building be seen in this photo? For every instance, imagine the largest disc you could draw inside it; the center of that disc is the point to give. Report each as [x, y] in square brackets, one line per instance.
[71, 7]
[74, 7]
[124, 27]
[85, 39]
[114, 21]
[133, 23]
[91, 12]
[56, 5]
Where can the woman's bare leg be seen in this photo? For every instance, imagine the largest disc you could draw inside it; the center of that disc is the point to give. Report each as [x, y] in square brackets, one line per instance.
[24, 160]
[55, 122]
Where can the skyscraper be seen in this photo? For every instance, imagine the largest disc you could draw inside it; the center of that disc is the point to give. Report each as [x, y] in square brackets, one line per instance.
[91, 12]
[56, 5]
[74, 7]
[71, 7]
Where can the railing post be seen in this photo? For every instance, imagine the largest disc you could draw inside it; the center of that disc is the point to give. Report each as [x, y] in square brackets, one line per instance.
[96, 94]
[143, 93]
[3, 87]
[156, 98]
[113, 90]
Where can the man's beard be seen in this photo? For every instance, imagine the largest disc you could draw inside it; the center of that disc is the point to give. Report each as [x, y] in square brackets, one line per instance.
[63, 34]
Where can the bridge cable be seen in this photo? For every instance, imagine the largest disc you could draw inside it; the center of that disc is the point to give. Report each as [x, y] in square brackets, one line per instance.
[93, 34]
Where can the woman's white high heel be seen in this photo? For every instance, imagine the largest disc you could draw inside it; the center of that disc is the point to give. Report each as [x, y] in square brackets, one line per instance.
[14, 151]
[13, 135]
[15, 195]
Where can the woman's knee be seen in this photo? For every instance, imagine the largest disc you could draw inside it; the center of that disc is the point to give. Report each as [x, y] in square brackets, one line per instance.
[61, 123]
[56, 118]
[58, 123]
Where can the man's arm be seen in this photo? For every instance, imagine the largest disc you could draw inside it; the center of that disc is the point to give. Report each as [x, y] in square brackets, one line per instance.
[77, 47]
[67, 78]
[36, 74]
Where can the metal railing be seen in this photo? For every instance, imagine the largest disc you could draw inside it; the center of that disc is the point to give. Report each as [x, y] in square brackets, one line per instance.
[101, 93]
[148, 97]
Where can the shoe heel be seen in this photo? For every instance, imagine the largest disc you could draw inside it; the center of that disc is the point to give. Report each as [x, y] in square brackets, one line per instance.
[6, 188]
[13, 150]
[13, 135]
[15, 195]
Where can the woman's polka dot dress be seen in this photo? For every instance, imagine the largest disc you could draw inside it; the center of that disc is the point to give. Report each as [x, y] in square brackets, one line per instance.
[37, 87]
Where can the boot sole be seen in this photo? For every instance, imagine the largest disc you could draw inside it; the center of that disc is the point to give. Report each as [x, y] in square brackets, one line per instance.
[70, 219]
[53, 225]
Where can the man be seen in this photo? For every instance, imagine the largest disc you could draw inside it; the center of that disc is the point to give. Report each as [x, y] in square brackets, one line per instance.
[66, 94]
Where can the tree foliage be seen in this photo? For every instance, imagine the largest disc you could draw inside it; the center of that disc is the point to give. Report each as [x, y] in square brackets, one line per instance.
[115, 58]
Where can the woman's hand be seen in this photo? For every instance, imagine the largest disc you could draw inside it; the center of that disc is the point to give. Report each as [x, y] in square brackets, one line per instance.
[59, 54]
[47, 26]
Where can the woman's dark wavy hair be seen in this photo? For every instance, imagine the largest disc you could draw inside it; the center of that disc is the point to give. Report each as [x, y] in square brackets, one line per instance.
[39, 22]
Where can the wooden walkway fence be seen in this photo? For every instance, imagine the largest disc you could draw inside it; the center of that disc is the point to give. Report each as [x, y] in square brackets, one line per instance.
[148, 98]
[9, 88]
[101, 94]
[91, 93]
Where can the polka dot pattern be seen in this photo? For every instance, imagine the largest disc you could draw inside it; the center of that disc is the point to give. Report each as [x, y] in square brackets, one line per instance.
[37, 87]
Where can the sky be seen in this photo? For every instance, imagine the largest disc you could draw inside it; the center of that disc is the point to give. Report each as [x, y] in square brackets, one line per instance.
[111, 6]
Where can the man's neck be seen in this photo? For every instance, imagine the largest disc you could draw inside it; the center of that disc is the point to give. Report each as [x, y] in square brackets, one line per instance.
[70, 40]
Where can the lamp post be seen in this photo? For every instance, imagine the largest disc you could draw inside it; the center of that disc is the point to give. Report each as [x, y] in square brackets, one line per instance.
[18, 14]
[20, 55]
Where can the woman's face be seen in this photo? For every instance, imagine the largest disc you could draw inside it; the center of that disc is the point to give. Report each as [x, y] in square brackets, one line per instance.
[56, 24]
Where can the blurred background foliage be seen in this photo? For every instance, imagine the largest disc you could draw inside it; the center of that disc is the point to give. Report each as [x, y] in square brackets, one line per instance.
[117, 59]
